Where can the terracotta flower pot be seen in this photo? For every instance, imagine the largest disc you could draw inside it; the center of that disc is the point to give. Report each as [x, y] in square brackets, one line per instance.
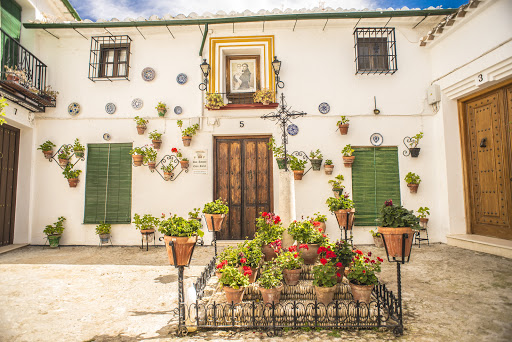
[252, 277]
[53, 240]
[218, 274]
[151, 165]
[157, 144]
[272, 295]
[361, 293]
[316, 164]
[392, 238]
[11, 77]
[328, 169]
[161, 112]
[183, 247]
[48, 154]
[281, 163]
[168, 175]
[217, 221]
[337, 192]
[413, 188]
[343, 129]
[147, 231]
[298, 174]
[63, 162]
[141, 129]
[186, 140]
[73, 182]
[268, 252]
[378, 241]
[79, 154]
[104, 237]
[340, 270]
[322, 226]
[348, 161]
[184, 164]
[292, 277]
[137, 159]
[310, 255]
[415, 151]
[325, 295]
[341, 217]
[234, 295]
[424, 220]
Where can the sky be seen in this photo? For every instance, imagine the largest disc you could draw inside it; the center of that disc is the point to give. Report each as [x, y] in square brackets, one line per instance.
[121, 9]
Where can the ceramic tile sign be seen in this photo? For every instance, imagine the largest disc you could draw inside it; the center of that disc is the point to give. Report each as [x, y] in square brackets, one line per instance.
[200, 162]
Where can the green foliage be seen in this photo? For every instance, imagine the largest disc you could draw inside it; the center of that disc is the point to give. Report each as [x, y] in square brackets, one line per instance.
[272, 276]
[375, 233]
[423, 212]
[155, 136]
[316, 154]
[161, 107]
[397, 216]
[138, 150]
[324, 275]
[305, 232]
[415, 140]
[336, 182]
[277, 151]
[140, 121]
[145, 222]
[103, 228]
[297, 164]
[347, 150]
[46, 146]
[336, 204]
[77, 146]
[230, 254]
[69, 173]
[343, 251]
[232, 277]
[289, 259]
[57, 228]
[269, 228]
[216, 207]
[412, 178]
[177, 226]
[318, 217]
[149, 154]
[3, 104]
[167, 168]
[194, 214]
[334, 333]
[363, 269]
[189, 131]
[249, 253]
[65, 152]
[344, 120]
[328, 162]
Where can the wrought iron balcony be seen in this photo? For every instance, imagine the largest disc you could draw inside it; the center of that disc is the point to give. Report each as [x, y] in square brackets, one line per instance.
[23, 76]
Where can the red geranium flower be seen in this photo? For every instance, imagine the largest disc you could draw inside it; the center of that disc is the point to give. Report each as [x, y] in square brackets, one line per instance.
[264, 214]
[248, 273]
[381, 260]
[323, 261]
[373, 261]
[330, 254]
[277, 220]
[243, 260]
[316, 223]
[369, 253]
[174, 150]
[292, 248]
[304, 246]
[245, 268]
[338, 275]
[359, 252]
[364, 271]
[295, 255]
[324, 235]
[339, 264]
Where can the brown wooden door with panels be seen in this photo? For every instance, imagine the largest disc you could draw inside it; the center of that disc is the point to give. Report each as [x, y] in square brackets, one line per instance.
[243, 178]
[9, 149]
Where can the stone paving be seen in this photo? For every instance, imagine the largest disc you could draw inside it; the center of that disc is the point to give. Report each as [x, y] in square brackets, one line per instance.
[126, 294]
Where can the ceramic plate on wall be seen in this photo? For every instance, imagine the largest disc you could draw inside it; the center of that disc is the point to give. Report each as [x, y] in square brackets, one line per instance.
[106, 136]
[292, 129]
[137, 103]
[324, 108]
[148, 74]
[178, 110]
[376, 139]
[74, 109]
[110, 108]
[181, 78]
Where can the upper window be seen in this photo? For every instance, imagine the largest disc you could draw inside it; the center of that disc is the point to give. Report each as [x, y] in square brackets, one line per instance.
[110, 58]
[375, 49]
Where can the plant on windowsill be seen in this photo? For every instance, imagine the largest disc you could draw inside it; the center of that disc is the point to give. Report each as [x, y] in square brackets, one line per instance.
[161, 108]
[214, 101]
[156, 139]
[137, 155]
[348, 158]
[183, 234]
[214, 214]
[150, 155]
[184, 163]
[328, 167]
[187, 133]
[413, 143]
[103, 231]
[71, 175]
[377, 239]
[321, 219]
[47, 148]
[168, 171]
[337, 187]
[291, 263]
[64, 155]
[146, 224]
[141, 124]
[278, 152]
[309, 238]
[413, 182]
[269, 232]
[362, 276]
[316, 159]
[270, 283]
[78, 149]
[297, 165]
[341, 207]
[234, 283]
[324, 280]
[423, 212]
[343, 125]
[54, 232]
[264, 96]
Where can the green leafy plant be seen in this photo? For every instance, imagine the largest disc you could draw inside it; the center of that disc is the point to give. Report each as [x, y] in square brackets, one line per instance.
[324, 275]
[297, 164]
[194, 214]
[65, 152]
[177, 226]
[216, 207]
[167, 168]
[336, 182]
[336, 204]
[363, 269]
[57, 228]
[277, 151]
[50, 92]
[140, 121]
[150, 154]
[229, 256]
[317, 217]
[264, 96]
[249, 253]
[316, 154]
[412, 178]
[189, 131]
[344, 253]
[145, 222]
[344, 120]
[233, 278]
[423, 212]
[103, 228]
[138, 150]
[69, 173]
[46, 146]
[269, 228]
[415, 140]
[305, 232]
[77, 146]
[271, 276]
[155, 136]
[289, 259]
[397, 216]
[375, 233]
[347, 151]
[328, 162]
[3, 104]
[161, 107]
[214, 101]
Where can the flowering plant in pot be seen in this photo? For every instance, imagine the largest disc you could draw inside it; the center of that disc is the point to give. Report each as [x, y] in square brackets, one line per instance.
[328, 167]
[249, 258]
[270, 283]
[156, 139]
[71, 175]
[187, 133]
[291, 264]
[344, 255]
[413, 143]
[141, 124]
[150, 157]
[54, 231]
[395, 221]
[377, 239]
[318, 221]
[343, 125]
[47, 148]
[183, 161]
[214, 214]
[194, 214]
[161, 108]
[64, 155]
[362, 276]
[229, 256]
[183, 234]
[278, 152]
[348, 158]
[324, 280]
[103, 231]
[265, 96]
[337, 187]
[138, 155]
[309, 238]
[168, 171]
[413, 182]
[214, 101]
[269, 230]
[341, 207]
[297, 165]
[146, 224]
[316, 158]
[78, 149]
[234, 283]
[423, 212]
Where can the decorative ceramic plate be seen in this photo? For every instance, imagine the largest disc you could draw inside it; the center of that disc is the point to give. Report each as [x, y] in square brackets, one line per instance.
[137, 103]
[74, 109]
[110, 108]
[148, 74]
[181, 78]
[292, 129]
[376, 139]
[178, 110]
[324, 108]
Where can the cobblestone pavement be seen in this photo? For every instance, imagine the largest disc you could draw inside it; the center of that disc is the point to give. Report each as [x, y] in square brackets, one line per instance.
[126, 294]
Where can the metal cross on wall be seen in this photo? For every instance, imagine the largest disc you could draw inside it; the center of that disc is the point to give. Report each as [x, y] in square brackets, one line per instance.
[283, 117]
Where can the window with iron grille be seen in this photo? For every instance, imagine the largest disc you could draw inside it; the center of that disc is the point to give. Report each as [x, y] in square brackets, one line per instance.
[375, 50]
[110, 58]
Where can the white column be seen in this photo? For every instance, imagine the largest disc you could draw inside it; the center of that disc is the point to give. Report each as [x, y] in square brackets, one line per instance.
[286, 203]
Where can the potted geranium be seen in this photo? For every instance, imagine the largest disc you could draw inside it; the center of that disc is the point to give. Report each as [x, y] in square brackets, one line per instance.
[54, 231]
[249, 257]
[168, 171]
[150, 157]
[161, 108]
[309, 238]
[146, 224]
[141, 124]
[316, 158]
[328, 167]
[324, 280]
[187, 133]
[214, 101]
[78, 149]
[71, 175]
[234, 283]
[214, 214]
[269, 231]
[348, 158]
[138, 155]
[394, 222]
[297, 165]
[194, 214]
[270, 283]
[377, 239]
[344, 254]
[64, 155]
[156, 139]
[47, 148]
[103, 231]
[362, 276]
[320, 221]
[184, 163]
[413, 143]
[229, 256]
[291, 264]
[423, 212]
[343, 125]
[341, 207]
[413, 182]
[337, 187]
[183, 234]
[278, 152]
[265, 96]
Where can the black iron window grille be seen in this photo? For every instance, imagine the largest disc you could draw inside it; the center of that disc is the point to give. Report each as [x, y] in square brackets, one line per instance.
[375, 50]
[110, 58]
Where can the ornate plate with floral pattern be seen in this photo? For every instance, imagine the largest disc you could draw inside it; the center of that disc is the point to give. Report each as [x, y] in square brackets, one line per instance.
[178, 110]
[148, 74]
[324, 108]
[181, 78]
[110, 108]
[73, 109]
[137, 103]
[292, 129]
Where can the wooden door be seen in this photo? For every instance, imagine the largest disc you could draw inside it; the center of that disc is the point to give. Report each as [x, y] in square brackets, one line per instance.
[488, 163]
[243, 178]
[9, 147]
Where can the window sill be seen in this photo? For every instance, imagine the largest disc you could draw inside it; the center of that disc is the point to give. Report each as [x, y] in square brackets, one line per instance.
[247, 106]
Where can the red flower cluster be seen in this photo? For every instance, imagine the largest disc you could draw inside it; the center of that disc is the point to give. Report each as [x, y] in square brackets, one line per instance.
[292, 248]
[339, 265]
[247, 271]
[380, 259]
[174, 150]
[304, 246]
[243, 260]
[389, 203]
[222, 264]
[276, 245]
[316, 224]
[270, 217]
[328, 252]
[359, 252]
[296, 255]
[323, 261]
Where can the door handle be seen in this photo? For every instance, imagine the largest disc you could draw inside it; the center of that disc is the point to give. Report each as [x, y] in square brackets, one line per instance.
[483, 142]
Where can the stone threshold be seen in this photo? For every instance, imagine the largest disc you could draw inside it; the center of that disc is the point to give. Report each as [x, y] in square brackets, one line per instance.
[8, 248]
[483, 244]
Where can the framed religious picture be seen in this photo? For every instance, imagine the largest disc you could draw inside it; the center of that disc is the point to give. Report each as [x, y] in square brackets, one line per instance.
[242, 78]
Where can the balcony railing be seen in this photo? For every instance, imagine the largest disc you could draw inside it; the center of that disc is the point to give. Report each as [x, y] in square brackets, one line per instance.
[23, 76]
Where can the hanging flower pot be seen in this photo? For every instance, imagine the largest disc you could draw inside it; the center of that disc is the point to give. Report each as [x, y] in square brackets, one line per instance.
[48, 154]
[413, 188]
[316, 164]
[424, 220]
[137, 159]
[168, 175]
[341, 217]
[53, 240]
[218, 219]
[73, 182]
[328, 169]
[157, 144]
[292, 277]
[415, 151]
[343, 129]
[63, 162]
[152, 165]
[348, 161]
[141, 129]
[186, 140]
[321, 226]
[337, 192]
[361, 293]
[310, 254]
[281, 163]
[393, 240]
[184, 164]
[183, 246]
[272, 295]
[79, 154]
[298, 174]
[325, 295]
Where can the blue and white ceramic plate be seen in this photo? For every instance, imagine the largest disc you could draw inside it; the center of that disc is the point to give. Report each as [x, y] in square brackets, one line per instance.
[73, 109]
[324, 108]
[178, 110]
[106, 136]
[292, 129]
[110, 108]
[137, 103]
[376, 139]
[148, 74]
[181, 78]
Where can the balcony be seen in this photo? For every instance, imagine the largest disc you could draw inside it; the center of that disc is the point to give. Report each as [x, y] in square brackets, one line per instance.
[23, 76]
[239, 101]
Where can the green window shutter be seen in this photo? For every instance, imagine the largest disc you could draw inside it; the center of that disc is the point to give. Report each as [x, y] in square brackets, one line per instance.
[11, 18]
[108, 188]
[387, 176]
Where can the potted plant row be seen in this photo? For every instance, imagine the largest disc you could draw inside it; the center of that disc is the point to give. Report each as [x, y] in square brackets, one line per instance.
[54, 232]
[214, 213]
[187, 133]
[413, 182]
